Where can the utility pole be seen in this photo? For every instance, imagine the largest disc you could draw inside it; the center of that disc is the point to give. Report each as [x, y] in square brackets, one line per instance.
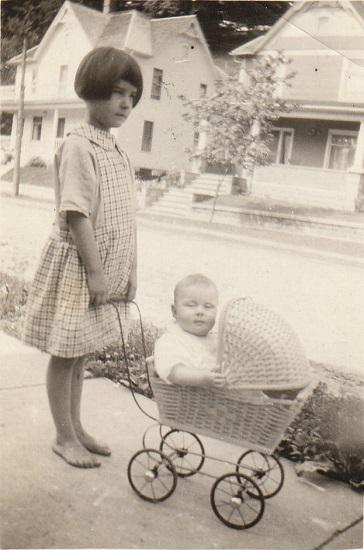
[20, 122]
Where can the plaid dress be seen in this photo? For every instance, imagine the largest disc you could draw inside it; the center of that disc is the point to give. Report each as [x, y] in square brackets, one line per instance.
[59, 319]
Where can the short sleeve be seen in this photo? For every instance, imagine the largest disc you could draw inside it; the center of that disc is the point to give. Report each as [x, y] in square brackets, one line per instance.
[167, 354]
[77, 176]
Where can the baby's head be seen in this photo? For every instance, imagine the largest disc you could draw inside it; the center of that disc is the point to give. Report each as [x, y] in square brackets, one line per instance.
[195, 304]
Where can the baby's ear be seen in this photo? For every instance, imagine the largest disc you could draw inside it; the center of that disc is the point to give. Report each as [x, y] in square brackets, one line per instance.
[173, 309]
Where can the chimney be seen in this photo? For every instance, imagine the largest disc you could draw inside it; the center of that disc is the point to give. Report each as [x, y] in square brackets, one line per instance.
[109, 6]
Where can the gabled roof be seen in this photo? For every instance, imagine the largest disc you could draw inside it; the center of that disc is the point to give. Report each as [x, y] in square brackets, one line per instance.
[356, 7]
[92, 21]
[131, 30]
[115, 31]
[169, 27]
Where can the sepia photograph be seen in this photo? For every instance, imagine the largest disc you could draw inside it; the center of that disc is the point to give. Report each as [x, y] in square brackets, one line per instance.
[182, 274]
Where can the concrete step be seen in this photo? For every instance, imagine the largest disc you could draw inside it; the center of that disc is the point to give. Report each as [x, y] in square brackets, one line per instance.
[207, 184]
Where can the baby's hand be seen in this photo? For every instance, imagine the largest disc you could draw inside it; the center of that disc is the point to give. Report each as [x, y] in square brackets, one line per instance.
[216, 380]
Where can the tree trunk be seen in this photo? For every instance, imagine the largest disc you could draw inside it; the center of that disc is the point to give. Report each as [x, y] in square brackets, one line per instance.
[20, 123]
[220, 182]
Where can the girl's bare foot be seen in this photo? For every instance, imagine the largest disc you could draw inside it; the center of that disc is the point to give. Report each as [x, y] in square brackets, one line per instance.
[75, 454]
[92, 445]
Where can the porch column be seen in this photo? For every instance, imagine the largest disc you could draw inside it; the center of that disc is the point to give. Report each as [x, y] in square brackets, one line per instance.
[358, 165]
[13, 130]
[202, 141]
[54, 132]
[355, 174]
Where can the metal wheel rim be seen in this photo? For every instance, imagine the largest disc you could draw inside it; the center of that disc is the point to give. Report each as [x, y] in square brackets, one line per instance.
[225, 501]
[140, 469]
[271, 481]
[191, 446]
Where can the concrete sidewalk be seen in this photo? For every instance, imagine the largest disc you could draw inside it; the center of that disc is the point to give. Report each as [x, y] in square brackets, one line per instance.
[48, 504]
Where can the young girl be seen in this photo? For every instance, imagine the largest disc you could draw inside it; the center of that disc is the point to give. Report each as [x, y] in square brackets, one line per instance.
[90, 256]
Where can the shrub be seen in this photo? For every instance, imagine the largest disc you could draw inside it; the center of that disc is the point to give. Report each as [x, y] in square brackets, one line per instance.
[110, 362]
[37, 162]
[329, 429]
[13, 297]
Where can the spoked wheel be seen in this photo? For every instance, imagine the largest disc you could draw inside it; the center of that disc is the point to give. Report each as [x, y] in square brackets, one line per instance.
[265, 470]
[152, 475]
[237, 501]
[185, 450]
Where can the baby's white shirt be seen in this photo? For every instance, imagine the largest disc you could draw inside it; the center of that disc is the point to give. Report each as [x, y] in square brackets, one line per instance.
[176, 346]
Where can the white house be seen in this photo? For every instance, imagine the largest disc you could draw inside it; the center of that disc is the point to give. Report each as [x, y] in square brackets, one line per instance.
[174, 59]
[318, 149]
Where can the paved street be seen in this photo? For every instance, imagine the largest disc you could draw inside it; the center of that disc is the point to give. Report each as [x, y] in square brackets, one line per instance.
[321, 297]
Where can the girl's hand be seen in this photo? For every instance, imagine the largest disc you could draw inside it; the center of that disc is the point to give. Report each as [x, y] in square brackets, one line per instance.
[97, 288]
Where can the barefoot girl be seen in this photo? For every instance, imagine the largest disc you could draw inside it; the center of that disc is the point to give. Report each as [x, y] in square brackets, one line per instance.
[91, 253]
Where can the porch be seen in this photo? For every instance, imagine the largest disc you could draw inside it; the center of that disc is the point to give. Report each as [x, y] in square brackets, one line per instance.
[305, 185]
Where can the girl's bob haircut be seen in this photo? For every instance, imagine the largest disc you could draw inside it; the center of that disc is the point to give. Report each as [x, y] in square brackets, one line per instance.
[101, 68]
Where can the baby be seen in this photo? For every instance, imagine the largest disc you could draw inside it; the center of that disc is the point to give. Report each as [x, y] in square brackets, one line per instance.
[186, 353]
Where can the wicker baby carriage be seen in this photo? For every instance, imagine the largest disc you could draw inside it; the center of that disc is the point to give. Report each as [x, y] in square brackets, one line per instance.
[257, 351]
[244, 416]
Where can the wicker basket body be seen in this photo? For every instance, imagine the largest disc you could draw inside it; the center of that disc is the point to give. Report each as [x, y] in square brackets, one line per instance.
[259, 350]
[253, 423]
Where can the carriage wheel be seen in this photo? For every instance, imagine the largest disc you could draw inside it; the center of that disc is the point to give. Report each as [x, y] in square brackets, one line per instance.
[153, 435]
[185, 450]
[152, 475]
[266, 470]
[237, 500]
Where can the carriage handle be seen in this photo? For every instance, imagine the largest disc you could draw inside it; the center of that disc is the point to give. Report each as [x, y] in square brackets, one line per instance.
[113, 302]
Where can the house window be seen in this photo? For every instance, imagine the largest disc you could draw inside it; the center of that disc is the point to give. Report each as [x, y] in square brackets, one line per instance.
[157, 83]
[60, 127]
[37, 128]
[147, 135]
[33, 84]
[184, 51]
[340, 150]
[62, 81]
[203, 90]
[282, 145]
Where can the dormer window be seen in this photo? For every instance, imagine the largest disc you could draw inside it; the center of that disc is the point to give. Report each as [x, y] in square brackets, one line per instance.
[322, 22]
[157, 84]
[184, 51]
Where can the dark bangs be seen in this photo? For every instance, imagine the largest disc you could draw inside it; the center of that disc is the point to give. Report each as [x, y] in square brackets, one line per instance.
[101, 68]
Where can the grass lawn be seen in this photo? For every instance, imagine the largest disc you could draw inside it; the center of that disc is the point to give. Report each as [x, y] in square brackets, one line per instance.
[270, 205]
[32, 175]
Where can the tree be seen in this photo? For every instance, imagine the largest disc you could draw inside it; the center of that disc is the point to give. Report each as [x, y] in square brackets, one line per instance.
[24, 25]
[238, 119]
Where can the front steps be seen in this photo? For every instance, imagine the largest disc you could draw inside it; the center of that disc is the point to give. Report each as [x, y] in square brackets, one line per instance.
[176, 203]
[206, 185]
[179, 202]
